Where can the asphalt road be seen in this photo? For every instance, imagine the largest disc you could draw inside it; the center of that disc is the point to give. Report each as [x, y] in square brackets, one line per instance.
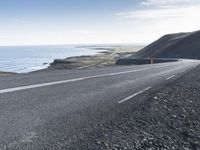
[44, 110]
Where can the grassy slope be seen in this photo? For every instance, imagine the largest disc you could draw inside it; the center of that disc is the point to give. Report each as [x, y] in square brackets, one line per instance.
[100, 60]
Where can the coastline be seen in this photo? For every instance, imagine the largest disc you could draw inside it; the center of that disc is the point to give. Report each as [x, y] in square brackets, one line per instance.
[102, 59]
[25, 59]
[107, 56]
[2, 73]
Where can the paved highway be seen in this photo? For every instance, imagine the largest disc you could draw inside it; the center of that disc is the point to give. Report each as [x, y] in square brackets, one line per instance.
[48, 110]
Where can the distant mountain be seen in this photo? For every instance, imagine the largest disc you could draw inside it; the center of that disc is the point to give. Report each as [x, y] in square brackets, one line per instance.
[179, 45]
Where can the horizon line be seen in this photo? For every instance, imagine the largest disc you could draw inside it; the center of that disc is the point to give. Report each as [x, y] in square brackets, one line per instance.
[73, 44]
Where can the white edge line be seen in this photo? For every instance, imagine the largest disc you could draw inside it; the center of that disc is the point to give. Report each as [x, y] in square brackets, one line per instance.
[65, 81]
[170, 77]
[21, 88]
[140, 92]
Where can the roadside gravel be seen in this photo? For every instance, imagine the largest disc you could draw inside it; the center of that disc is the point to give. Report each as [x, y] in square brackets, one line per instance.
[165, 118]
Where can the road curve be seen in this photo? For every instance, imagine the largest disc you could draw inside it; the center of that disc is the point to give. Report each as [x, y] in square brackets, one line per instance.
[43, 110]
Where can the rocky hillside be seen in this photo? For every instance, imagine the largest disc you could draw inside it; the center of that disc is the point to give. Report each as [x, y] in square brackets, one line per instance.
[179, 45]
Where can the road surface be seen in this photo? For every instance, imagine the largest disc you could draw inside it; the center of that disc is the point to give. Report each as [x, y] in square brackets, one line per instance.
[44, 110]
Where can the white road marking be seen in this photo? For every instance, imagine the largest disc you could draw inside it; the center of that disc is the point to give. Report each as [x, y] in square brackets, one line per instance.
[128, 98]
[21, 88]
[65, 81]
[170, 77]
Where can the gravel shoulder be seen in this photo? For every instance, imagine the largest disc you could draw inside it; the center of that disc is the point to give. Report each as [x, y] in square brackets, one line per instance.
[164, 118]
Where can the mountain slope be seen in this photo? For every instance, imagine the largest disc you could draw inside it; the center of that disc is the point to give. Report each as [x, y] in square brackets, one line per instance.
[179, 45]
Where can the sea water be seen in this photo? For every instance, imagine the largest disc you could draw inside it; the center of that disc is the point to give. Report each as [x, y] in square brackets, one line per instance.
[23, 59]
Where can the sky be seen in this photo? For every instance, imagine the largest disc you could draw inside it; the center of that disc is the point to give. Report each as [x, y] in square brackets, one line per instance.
[46, 22]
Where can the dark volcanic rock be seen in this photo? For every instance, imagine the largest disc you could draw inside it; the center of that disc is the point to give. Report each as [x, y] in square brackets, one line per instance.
[180, 45]
[61, 61]
[165, 118]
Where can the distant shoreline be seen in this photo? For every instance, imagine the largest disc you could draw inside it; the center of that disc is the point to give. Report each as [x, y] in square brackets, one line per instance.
[25, 59]
[2, 73]
[106, 56]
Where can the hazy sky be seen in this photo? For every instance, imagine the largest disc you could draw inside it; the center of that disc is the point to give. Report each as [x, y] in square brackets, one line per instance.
[24, 22]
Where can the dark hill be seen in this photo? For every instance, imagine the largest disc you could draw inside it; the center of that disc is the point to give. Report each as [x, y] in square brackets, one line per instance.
[179, 45]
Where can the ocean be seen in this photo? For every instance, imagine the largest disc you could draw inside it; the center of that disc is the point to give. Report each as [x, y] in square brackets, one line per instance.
[24, 59]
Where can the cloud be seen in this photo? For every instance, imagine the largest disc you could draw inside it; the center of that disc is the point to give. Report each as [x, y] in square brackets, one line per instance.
[19, 20]
[162, 13]
[15, 19]
[83, 32]
[167, 3]
[162, 9]
[154, 18]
